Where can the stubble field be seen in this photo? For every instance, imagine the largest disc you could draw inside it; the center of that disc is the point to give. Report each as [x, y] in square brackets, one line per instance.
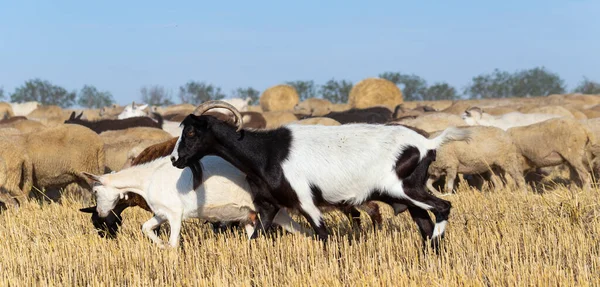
[494, 239]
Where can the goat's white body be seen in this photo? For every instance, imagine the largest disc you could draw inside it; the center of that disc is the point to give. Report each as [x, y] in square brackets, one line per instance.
[132, 110]
[239, 103]
[349, 163]
[23, 109]
[509, 120]
[223, 195]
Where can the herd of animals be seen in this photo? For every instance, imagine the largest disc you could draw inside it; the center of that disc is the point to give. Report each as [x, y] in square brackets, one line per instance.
[233, 164]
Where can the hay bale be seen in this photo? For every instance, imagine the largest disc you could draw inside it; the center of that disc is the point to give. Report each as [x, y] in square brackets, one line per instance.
[375, 92]
[277, 119]
[279, 98]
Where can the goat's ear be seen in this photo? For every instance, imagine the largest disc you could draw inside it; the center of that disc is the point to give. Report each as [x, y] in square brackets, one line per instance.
[142, 107]
[79, 116]
[90, 209]
[92, 177]
[133, 105]
[72, 117]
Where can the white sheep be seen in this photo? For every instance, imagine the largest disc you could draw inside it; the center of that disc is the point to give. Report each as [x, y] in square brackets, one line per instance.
[174, 195]
[23, 109]
[475, 116]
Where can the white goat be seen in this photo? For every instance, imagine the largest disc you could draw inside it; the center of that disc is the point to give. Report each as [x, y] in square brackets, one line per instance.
[475, 116]
[169, 192]
[132, 110]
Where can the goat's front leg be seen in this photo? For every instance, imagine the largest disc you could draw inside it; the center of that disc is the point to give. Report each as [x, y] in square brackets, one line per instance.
[148, 229]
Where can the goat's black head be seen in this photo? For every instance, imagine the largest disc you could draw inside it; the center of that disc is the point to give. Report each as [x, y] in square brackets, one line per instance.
[74, 117]
[107, 226]
[197, 138]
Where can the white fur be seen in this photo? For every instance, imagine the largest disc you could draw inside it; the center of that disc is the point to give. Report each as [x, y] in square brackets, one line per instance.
[505, 121]
[172, 127]
[132, 110]
[223, 196]
[23, 109]
[349, 162]
[239, 103]
[174, 153]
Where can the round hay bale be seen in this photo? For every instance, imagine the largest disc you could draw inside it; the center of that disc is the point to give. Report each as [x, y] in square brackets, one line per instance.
[318, 121]
[375, 92]
[279, 98]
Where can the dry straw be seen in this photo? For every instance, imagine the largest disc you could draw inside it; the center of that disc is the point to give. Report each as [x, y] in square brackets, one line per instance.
[505, 238]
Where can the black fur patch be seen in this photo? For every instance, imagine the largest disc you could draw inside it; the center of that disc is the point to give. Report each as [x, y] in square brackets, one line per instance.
[407, 162]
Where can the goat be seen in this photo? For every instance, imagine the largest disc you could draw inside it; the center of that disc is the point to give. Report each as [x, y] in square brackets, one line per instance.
[108, 125]
[174, 195]
[303, 167]
[374, 115]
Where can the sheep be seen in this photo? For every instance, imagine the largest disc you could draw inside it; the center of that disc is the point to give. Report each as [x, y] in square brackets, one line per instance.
[17, 170]
[476, 116]
[313, 107]
[431, 122]
[22, 124]
[489, 148]
[175, 195]
[318, 121]
[23, 109]
[106, 125]
[306, 166]
[553, 142]
[277, 119]
[111, 112]
[118, 143]
[6, 111]
[402, 111]
[59, 155]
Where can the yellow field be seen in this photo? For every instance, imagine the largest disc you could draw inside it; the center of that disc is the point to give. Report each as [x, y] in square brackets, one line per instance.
[494, 239]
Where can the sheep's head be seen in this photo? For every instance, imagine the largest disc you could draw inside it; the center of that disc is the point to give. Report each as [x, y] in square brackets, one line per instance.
[472, 115]
[132, 110]
[197, 139]
[107, 196]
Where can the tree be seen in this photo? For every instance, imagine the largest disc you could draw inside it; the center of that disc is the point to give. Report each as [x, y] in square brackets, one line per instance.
[526, 83]
[440, 91]
[89, 97]
[588, 87]
[336, 91]
[43, 92]
[305, 89]
[537, 82]
[248, 92]
[198, 92]
[495, 85]
[156, 96]
[1, 93]
[412, 86]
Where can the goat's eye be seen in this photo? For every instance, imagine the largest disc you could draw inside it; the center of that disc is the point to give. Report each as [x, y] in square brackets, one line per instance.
[190, 134]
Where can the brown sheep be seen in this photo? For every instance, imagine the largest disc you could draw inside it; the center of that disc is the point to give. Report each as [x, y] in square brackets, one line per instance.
[111, 112]
[489, 149]
[118, 143]
[6, 111]
[318, 121]
[59, 155]
[554, 142]
[22, 124]
[17, 170]
[313, 107]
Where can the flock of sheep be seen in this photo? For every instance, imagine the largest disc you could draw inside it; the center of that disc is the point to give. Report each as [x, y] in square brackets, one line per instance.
[231, 163]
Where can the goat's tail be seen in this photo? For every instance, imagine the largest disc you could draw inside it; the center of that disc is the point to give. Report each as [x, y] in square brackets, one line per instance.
[448, 135]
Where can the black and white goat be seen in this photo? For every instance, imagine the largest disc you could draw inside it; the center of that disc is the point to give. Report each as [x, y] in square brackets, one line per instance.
[304, 167]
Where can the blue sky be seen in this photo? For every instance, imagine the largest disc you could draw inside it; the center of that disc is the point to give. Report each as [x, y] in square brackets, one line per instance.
[120, 46]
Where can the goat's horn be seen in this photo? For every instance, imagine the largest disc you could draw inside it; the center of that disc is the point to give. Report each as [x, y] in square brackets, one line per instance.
[204, 107]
